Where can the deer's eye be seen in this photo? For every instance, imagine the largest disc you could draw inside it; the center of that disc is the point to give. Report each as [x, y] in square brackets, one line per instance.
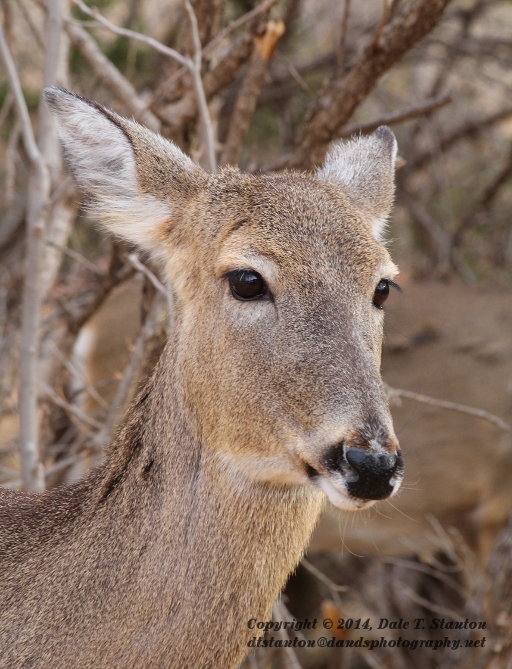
[381, 293]
[246, 284]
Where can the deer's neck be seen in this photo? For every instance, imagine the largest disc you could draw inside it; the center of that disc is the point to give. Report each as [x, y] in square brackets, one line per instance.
[168, 556]
[222, 545]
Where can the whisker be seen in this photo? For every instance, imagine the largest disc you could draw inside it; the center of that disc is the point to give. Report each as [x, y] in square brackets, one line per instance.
[405, 515]
[344, 545]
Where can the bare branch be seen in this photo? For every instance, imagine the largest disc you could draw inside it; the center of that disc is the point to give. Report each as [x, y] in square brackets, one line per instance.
[70, 408]
[193, 66]
[38, 189]
[46, 130]
[264, 48]
[78, 257]
[323, 578]
[452, 406]
[11, 163]
[130, 376]
[384, 20]
[208, 136]
[79, 376]
[29, 140]
[399, 117]
[263, 7]
[176, 76]
[410, 22]
[489, 194]
[469, 130]
[178, 114]
[134, 260]
[291, 659]
[108, 73]
[6, 108]
[30, 24]
[132, 34]
[342, 49]
[114, 277]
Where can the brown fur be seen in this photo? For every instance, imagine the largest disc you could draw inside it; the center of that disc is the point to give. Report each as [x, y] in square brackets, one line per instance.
[203, 505]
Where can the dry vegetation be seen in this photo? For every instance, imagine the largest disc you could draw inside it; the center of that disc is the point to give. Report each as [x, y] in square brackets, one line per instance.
[266, 85]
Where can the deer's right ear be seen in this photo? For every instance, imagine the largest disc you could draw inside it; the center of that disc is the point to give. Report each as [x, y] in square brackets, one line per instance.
[134, 179]
[365, 168]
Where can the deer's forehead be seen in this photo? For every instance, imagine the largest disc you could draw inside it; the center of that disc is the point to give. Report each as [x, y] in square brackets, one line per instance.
[299, 228]
[282, 201]
[299, 257]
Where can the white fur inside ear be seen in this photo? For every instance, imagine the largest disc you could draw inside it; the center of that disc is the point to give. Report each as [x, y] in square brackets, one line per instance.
[379, 227]
[365, 167]
[98, 152]
[137, 219]
[102, 161]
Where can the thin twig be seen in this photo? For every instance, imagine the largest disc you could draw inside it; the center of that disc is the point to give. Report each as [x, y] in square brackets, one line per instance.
[264, 47]
[132, 34]
[340, 56]
[384, 20]
[263, 7]
[70, 408]
[29, 140]
[399, 117]
[487, 197]
[79, 376]
[291, 658]
[131, 374]
[334, 588]
[6, 108]
[78, 257]
[208, 136]
[67, 462]
[110, 75]
[431, 606]
[469, 130]
[135, 262]
[31, 26]
[192, 65]
[11, 163]
[452, 406]
[234, 25]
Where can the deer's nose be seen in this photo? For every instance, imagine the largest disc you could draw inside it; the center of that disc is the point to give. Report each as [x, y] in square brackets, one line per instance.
[373, 472]
[368, 473]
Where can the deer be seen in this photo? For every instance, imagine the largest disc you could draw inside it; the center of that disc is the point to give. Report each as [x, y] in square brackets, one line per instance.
[266, 400]
[427, 328]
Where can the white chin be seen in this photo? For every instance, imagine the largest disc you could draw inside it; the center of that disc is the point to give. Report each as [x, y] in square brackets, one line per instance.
[340, 499]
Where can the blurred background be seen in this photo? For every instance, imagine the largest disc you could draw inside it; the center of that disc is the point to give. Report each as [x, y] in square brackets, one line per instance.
[267, 85]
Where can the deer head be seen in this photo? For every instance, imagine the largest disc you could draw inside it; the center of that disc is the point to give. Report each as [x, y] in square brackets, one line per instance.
[278, 283]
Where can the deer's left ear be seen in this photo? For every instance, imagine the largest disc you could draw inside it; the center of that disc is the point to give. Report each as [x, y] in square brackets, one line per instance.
[135, 181]
[365, 168]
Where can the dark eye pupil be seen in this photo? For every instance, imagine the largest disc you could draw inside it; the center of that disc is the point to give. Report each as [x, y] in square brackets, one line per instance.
[246, 285]
[381, 293]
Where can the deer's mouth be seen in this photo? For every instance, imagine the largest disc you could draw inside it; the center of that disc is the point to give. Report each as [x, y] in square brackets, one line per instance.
[359, 485]
[337, 493]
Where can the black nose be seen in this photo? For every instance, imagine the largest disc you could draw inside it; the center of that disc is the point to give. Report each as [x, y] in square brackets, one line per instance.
[367, 473]
[373, 471]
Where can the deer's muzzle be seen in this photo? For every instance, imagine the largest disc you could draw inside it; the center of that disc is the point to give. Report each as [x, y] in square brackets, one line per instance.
[363, 474]
[369, 474]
